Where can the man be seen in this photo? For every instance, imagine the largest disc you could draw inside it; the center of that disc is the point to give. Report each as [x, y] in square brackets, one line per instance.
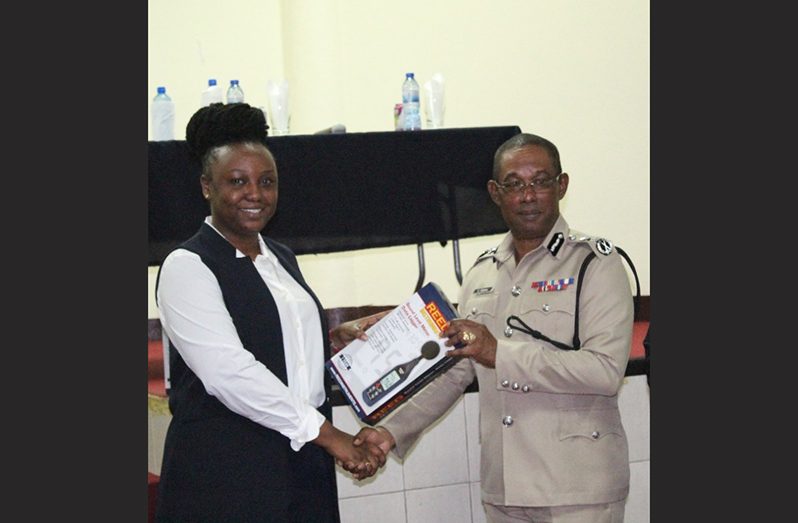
[548, 341]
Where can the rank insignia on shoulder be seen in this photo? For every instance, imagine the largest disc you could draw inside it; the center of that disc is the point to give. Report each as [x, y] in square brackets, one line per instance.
[555, 243]
[604, 246]
[482, 290]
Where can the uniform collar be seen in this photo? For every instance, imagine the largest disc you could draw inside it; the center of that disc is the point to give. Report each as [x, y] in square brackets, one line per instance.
[504, 251]
[552, 243]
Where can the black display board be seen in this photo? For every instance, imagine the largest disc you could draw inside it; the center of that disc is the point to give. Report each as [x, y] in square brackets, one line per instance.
[347, 191]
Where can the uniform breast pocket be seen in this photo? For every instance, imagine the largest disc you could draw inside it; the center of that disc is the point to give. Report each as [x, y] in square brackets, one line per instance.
[481, 309]
[551, 313]
[593, 446]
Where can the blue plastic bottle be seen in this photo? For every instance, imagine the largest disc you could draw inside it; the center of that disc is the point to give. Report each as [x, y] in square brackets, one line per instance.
[234, 93]
[163, 116]
[213, 94]
[411, 115]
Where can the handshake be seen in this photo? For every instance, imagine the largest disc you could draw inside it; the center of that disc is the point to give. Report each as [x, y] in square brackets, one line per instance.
[363, 454]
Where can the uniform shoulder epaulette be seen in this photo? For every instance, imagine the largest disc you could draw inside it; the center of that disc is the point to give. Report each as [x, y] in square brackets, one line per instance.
[487, 254]
[599, 245]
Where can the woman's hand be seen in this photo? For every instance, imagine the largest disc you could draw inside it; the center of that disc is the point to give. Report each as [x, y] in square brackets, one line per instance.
[343, 334]
[361, 461]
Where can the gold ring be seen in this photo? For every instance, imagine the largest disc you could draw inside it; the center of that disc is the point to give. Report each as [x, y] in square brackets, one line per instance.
[357, 326]
[468, 337]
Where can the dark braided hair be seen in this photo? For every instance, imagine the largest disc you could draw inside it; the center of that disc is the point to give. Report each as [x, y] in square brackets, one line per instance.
[222, 124]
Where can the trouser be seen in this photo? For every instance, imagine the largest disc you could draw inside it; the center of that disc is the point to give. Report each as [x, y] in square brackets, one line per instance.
[598, 513]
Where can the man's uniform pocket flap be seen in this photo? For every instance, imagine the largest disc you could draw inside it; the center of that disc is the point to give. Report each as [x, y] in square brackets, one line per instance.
[591, 424]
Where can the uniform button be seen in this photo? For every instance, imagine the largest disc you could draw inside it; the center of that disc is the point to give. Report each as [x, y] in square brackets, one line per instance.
[474, 310]
[525, 388]
[516, 290]
[546, 307]
[516, 386]
[507, 421]
[508, 331]
[572, 237]
[595, 434]
[505, 383]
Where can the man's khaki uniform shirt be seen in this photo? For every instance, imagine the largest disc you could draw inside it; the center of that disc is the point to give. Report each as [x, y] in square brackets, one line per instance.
[550, 428]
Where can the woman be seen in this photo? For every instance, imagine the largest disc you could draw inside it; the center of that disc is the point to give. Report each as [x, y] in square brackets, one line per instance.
[251, 437]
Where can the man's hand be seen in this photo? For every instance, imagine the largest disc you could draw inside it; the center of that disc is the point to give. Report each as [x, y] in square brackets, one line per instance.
[360, 461]
[478, 343]
[377, 437]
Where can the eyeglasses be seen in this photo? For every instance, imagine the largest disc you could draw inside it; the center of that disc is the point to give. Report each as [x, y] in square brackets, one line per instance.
[538, 186]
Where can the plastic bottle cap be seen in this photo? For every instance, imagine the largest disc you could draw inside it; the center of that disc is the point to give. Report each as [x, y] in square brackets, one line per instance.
[161, 90]
[233, 82]
[212, 81]
[409, 75]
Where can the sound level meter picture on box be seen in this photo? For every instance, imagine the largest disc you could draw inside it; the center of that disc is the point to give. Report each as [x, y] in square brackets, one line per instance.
[403, 352]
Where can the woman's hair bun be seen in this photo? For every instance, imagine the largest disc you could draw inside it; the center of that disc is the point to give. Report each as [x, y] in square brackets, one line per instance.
[221, 124]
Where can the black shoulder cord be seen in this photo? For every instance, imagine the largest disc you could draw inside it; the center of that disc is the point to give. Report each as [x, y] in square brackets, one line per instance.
[637, 281]
[523, 327]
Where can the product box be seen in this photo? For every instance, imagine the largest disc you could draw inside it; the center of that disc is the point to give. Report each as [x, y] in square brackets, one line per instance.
[403, 353]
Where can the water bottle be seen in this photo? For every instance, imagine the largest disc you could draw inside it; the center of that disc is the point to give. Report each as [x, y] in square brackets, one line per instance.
[213, 94]
[235, 94]
[163, 116]
[411, 115]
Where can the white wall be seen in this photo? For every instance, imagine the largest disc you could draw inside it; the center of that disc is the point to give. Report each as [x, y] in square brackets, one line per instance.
[575, 72]
[190, 41]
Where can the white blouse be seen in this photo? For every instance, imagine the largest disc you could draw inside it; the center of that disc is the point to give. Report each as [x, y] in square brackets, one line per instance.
[194, 317]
